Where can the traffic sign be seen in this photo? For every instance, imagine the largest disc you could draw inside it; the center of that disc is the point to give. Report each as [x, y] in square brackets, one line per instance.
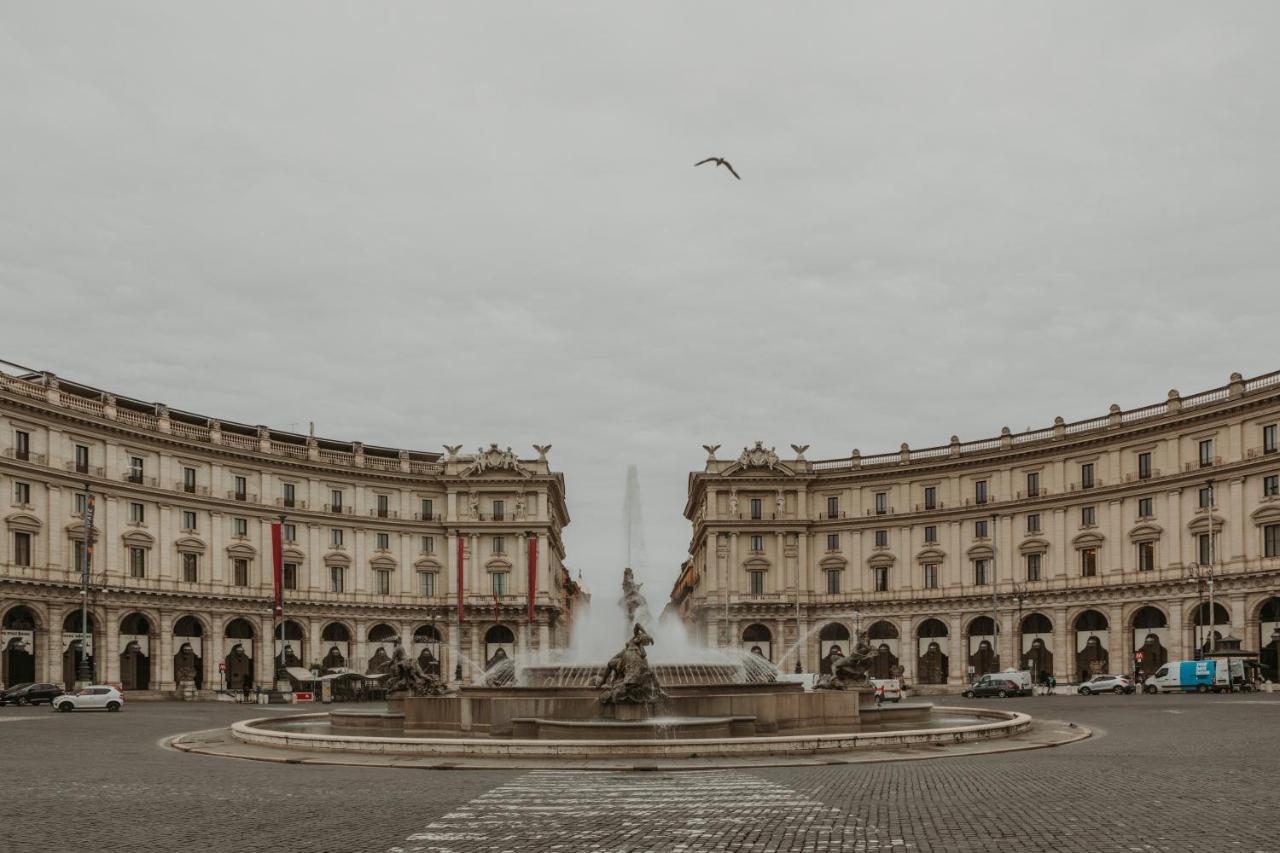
[222, 666]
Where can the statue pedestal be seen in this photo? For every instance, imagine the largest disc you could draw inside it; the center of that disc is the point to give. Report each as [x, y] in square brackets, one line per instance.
[626, 711]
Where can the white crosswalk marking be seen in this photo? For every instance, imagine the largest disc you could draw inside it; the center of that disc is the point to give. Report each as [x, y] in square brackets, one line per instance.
[688, 811]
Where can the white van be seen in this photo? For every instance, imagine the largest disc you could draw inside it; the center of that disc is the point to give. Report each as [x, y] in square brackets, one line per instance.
[1198, 676]
[1021, 678]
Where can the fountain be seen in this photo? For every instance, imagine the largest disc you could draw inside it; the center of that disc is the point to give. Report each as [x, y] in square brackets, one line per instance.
[659, 697]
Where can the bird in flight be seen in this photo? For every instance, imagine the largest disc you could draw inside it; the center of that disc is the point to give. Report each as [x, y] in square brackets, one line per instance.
[720, 161]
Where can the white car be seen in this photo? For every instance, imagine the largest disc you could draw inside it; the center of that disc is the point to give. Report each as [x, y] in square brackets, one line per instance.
[1106, 684]
[93, 696]
[888, 689]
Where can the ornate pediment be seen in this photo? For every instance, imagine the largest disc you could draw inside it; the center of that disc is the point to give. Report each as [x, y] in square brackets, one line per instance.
[27, 522]
[881, 560]
[1088, 539]
[758, 457]
[427, 564]
[495, 459]
[189, 545]
[1145, 532]
[382, 562]
[1034, 545]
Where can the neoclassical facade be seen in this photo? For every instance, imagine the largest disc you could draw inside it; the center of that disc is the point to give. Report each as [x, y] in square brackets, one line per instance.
[459, 554]
[1067, 549]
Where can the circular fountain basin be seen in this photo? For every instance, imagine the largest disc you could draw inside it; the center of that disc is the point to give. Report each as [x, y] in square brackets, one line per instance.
[312, 733]
[652, 728]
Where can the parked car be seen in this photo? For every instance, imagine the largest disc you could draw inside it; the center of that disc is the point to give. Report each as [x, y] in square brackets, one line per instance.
[995, 686]
[30, 694]
[1019, 678]
[1106, 684]
[888, 689]
[93, 696]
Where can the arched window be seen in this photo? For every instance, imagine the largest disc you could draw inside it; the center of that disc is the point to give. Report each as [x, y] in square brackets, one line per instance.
[1149, 617]
[982, 626]
[882, 630]
[135, 624]
[382, 633]
[757, 633]
[239, 629]
[335, 632]
[1090, 620]
[932, 628]
[72, 624]
[188, 626]
[499, 634]
[426, 634]
[833, 631]
[1036, 623]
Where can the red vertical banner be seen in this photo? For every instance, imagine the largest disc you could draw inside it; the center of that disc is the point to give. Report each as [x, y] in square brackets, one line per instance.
[277, 568]
[461, 577]
[533, 570]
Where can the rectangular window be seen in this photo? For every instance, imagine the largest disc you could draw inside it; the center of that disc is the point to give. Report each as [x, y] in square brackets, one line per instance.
[757, 583]
[1086, 475]
[289, 532]
[21, 493]
[980, 572]
[382, 582]
[1144, 466]
[337, 579]
[882, 503]
[1271, 540]
[1088, 516]
[80, 502]
[335, 537]
[930, 575]
[241, 568]
[1089, 562]
[190, 568]
[1205, 549]
[1206, 452]
[930, 534]
[1146, 556]
[833, 507]
[498, 583]
[82, 459]
[242, 489]
[427, 584]
[499, 510]
[499, 545]
[1146, 508]
[135, 469]
[335, 500]
[189, 480]
[882, 539]
[137, 562]
[880, 575]
[428, 509]
[980, 529]
[241, 527]
[833, 582]
[757, 508]
[21, 548]
[833, 541]
[1271, 486]
[757, 543]
[1033, 566]
[77, 555]
[930, 497]
[137, 512]
[1033, 484]
[1206, 497]
[384, 541]
[290, 576]
[384, 506]
[290, 494]
[1269, 438]
[428, 544]
[980, 492]
[22, 445]
[1033, 522]
[188, 520]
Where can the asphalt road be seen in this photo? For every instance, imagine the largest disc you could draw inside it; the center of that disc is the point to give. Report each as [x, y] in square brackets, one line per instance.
[1163, 773]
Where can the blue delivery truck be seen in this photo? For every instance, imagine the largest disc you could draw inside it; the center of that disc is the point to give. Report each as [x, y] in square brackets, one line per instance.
[1196, 676]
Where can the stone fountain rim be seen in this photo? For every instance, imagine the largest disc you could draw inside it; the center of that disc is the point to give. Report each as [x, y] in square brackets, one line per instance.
[1006, 723]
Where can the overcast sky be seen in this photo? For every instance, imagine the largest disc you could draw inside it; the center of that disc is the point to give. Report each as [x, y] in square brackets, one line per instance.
[418, 223]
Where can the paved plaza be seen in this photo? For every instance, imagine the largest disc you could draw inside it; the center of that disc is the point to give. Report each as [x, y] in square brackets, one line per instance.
[1162, 773]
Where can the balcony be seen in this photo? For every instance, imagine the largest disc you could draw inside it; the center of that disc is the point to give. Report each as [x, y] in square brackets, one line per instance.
[339, 509]
[191, 488]
[87, 470]
[243, 497]
[383, 512]
[24, 455]
[138, 478]
[418, 516]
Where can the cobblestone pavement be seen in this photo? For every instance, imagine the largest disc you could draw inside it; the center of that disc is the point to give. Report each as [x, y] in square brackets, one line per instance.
[1163, 773]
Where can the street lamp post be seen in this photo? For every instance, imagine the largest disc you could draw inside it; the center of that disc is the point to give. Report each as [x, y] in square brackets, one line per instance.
[995, 624]
[1019, 595]
[83, 674]
[1213, 639]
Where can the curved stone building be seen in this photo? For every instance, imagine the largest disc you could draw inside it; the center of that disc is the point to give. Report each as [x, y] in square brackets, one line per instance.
[1066, 549]
[374, 540]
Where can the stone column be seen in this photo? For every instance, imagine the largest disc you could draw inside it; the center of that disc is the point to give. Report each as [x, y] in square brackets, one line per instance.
[544, 636]
[1177, 632]
[1064, 651]
[108, 667]
[162, 652]
[958, 671]
[1120, 657]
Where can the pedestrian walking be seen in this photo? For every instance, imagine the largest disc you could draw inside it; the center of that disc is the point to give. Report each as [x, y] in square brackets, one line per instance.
[1053, 682]
[246, 684]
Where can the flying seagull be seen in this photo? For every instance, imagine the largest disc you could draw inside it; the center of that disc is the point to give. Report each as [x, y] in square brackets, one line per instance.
[720, 161]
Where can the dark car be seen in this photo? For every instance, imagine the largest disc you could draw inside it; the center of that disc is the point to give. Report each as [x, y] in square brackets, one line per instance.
[994, 687]
[31, 694]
